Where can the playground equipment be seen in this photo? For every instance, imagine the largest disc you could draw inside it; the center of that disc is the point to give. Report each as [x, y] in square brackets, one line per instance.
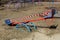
[48, 15]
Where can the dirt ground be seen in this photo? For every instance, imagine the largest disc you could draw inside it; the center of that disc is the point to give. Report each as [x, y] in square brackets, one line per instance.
[10, 33]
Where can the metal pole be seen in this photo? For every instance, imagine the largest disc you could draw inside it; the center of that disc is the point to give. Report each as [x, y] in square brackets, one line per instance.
[52, 3]
[33, 2]
[49, 3]
[38, 2]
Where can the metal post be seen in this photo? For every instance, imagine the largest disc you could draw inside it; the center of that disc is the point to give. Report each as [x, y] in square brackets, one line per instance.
[52, 3]
[38, 2]
[49, 3]
[33, 26]
[28, 27]
[33, 2]
[18, 27]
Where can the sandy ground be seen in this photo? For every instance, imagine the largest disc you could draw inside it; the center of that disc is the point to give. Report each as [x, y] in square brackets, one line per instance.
[10, 33]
